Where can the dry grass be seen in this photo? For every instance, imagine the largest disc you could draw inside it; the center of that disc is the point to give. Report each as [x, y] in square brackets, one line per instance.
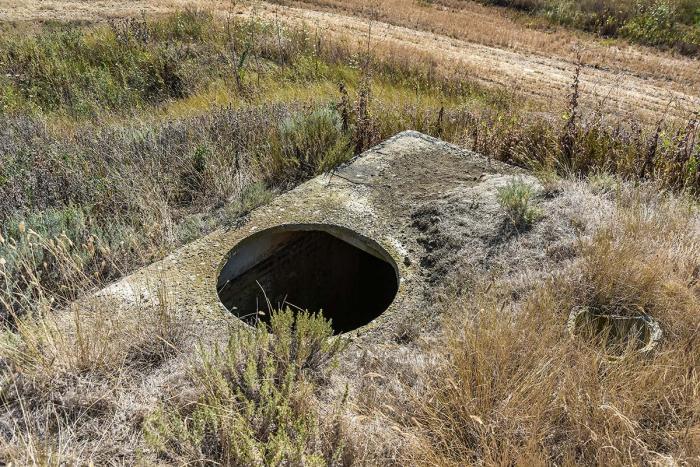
[494, 49]
[515, 388]
[496, 27]
[503, 383]
[76, 385]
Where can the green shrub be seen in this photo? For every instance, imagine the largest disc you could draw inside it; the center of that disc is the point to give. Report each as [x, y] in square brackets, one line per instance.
[516, 200]
[311, 143]
[664, 23]
[655, 25]
[256, 398]
[251, 197]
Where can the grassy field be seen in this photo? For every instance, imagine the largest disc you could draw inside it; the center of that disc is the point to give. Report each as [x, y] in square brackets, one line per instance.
[122, 140]
[673, 24]
[666, 24]
[511, 29]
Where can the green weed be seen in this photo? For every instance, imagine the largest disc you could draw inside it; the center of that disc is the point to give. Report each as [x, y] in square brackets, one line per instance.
[516, 198]
[255, 404]
[311, 144]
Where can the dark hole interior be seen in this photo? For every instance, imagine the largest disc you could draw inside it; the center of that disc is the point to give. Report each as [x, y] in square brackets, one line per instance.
[311, 270]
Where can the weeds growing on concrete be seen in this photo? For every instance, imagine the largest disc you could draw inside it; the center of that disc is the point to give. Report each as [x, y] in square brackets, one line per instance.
[515, 387]
[516, 198]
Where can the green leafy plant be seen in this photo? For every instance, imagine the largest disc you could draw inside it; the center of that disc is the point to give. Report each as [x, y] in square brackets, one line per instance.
[516, 200]
[255, 405]
[312, 143]
[655, 25]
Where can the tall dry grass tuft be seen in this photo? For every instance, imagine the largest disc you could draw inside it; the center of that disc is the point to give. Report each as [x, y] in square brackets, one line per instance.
[516, 388]
[71, 388]
[46, 269]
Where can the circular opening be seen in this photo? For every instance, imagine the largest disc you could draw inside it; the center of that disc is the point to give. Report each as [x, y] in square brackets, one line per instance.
[616, 332]
[349, 278]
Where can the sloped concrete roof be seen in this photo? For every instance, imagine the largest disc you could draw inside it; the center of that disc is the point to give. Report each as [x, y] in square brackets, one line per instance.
[382, 195]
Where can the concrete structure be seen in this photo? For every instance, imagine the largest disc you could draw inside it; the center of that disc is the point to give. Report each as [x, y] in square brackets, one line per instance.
[361, 243]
